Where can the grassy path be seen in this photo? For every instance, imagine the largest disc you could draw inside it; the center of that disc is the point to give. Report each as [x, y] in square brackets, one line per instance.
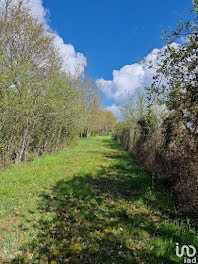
[88, 204]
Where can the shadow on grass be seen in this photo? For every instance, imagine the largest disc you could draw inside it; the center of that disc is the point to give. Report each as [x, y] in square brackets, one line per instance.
[109, 217]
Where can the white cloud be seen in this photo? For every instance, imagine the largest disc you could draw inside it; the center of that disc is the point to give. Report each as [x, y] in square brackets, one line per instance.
[74, 63]
[126, 80]
[129, 78]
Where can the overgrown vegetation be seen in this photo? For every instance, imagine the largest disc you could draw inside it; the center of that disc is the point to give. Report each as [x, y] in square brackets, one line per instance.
[89, 204]
[92, 203]
[160, 126]
[42, 107]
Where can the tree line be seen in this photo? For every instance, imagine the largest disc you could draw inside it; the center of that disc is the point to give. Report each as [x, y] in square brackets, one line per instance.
[160, 125]
[42, 108]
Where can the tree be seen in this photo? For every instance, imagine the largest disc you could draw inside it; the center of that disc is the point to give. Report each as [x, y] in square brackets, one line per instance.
[91, 104]
[176, 82]
[40, 109]
[107, 121]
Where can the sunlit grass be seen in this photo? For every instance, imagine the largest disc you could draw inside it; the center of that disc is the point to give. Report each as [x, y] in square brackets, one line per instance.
[90, 203]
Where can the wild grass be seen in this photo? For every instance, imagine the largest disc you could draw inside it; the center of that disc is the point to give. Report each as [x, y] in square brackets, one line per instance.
[90, 204]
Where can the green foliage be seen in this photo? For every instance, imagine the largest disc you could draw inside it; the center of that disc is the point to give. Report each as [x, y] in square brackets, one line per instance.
[176, 82]
[135, 108]
[107, 122]
[147, 125]
[42, 108]
[160, 127]
[138, 116]
[122, 125]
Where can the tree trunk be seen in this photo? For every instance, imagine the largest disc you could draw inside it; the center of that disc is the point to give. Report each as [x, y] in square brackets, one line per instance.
[24, 141]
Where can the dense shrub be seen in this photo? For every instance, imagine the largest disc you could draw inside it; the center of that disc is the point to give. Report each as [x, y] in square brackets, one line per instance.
[166, 144]
[42, 108]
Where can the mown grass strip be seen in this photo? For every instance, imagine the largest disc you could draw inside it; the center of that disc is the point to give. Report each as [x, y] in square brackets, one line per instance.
[88, 204]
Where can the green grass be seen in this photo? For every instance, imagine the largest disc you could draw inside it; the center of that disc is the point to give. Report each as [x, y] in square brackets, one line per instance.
[90, 204]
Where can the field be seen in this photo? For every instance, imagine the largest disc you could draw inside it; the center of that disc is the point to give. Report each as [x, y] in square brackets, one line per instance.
[90, 203]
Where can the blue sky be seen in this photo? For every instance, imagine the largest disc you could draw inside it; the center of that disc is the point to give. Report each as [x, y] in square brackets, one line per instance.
[113, 34]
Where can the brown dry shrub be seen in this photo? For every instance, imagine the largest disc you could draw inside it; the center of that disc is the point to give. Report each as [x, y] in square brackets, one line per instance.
[172, 157]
